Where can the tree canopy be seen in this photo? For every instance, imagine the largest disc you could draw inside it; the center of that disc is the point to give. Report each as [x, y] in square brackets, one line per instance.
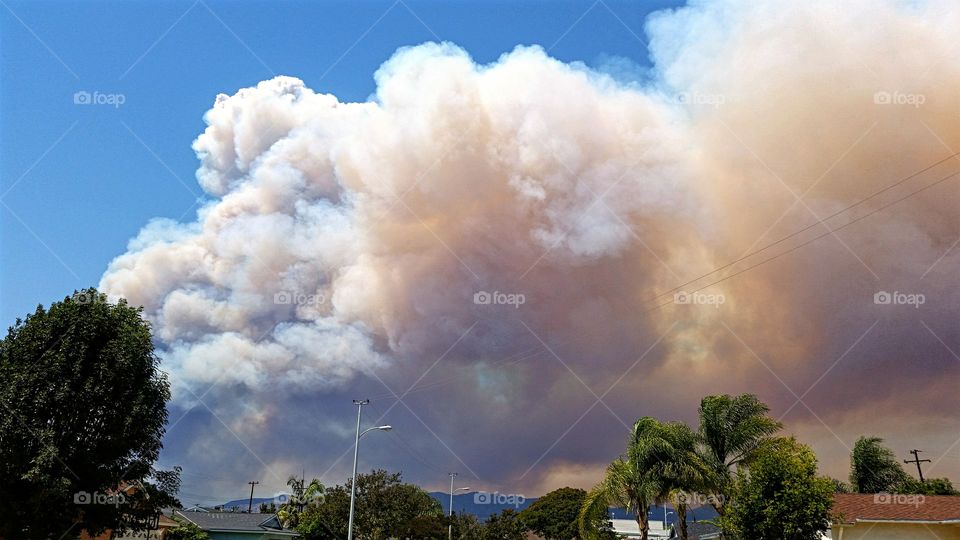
[554, 516]
[731, 431]
[385, 507]
[503, 526]
[781, 496]
[874, 468]
[84, 409]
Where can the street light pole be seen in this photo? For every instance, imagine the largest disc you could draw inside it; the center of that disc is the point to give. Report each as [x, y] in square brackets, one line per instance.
[356, 452]
[450, 525]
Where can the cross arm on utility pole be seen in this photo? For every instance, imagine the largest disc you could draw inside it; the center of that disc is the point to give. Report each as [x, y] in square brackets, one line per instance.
[916, 459]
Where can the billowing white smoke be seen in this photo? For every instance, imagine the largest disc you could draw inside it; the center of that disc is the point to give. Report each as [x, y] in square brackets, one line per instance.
[347, 238]
[337, 224]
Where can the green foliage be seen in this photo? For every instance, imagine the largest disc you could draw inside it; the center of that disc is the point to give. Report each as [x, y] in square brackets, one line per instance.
[626, 485]
[932, 486]
[731, 431]
[781, 496]
[385, 508]
[303, 496]
[669, 451]
[874, 468]
[466, 527]
[503, 526]
[186, 531]
[839, 486]
[554, 516]
[85, 411]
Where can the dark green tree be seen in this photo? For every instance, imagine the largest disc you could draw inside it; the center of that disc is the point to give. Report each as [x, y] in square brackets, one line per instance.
[554, 516]
[839, 486]
[932, 486]
[781, 496]
[385, 508]
[465, 526]
[186, 531]
[503, 526]
[83, 412]
[874, 468]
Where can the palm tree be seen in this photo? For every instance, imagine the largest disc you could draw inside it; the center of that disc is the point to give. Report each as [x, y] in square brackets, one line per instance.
[659, 464]
[731, 431]
[624, 486]
[669, 450]
[302, 496]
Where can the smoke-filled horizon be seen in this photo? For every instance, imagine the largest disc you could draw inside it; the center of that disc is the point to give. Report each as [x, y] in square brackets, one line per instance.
[499, 255]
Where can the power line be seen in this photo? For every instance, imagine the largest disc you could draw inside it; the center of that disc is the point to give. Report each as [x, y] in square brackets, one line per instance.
[815, 238]
[807, 228]
[397, 438]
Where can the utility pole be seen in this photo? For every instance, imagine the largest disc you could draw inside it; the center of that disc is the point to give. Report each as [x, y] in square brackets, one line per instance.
[250, 505]
[916, 459]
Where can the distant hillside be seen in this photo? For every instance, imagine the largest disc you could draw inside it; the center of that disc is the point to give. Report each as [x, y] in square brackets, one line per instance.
[241, 504]
[481, 503]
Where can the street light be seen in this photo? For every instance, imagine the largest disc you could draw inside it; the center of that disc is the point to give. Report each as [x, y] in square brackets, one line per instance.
[450, 525]
[356, 451]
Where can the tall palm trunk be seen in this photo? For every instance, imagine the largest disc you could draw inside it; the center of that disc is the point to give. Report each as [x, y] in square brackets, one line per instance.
[644, 522]
[681, 508]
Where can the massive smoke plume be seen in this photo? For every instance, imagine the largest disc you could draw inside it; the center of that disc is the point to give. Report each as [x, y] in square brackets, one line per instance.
[346, 250]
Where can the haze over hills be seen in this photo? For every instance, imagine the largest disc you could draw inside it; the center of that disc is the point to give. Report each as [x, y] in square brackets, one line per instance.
[481, 503]
[484, 504]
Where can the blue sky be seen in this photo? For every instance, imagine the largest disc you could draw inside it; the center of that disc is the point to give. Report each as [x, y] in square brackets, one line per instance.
[79, 181]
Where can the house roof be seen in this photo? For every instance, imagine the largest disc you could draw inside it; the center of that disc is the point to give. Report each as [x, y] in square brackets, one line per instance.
[849, 508]
[234, 522]
[702, 531]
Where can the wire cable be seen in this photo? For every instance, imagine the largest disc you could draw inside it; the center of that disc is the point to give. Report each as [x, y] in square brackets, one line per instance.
[807, 228]
[814, 239]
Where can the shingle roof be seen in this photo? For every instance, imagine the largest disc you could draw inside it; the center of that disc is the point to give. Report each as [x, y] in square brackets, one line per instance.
[700, 529]
[853, 507]
[233, 521]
